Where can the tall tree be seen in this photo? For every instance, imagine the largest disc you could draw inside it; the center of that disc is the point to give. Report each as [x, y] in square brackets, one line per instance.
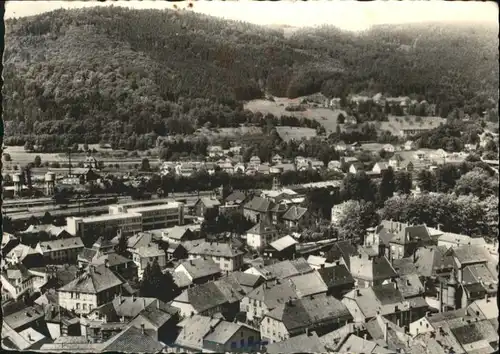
[386, 187]
[403, 182]
[426, 181]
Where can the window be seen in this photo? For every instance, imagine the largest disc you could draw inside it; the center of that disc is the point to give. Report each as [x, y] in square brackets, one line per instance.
[242, 342]
[268, 320]
[77, 305]
[233, 345]
[84, 306]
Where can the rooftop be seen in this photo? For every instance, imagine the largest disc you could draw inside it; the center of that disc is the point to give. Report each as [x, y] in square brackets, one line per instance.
[194, 329]
[304, 343]
[200, 267]
[95, 280]
[283, 243]
[61, 244]
[217, 249]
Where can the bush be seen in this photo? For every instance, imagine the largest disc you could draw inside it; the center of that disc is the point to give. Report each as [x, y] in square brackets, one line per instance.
[7, 157]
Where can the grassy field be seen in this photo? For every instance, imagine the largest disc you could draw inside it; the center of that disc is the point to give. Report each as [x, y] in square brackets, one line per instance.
[327, 117]
[396, 124]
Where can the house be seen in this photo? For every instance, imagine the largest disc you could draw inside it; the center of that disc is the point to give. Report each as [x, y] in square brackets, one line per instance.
[341, 251]
[133, 340]
[283, 248]
[205, 204]
[195, 271]
[247, 282]
[356, 167]
[485, 308]
[410, 145]
[433, 261]
[215, 151]
[277, 212]
[452, 240]
[302, 343]
[221, 296]
[260, 235]
[369, 271]
[224, 255]
[180, 233]
[277, 160]
[297, 316]
[341, 146]
[390, 334]
[102, 253]
[234, 201]
[64, 250]
[257, 208]
[159, 321]
[389, 148]
[9, 241]
[142, 256]
[254, 162]
[28, 256]
[334, 165]
[420, 155]
[239, 168]
[231, 337]
[192, 331]
[338, 280]
[308, 284]
[265, 298]
[17, 280]
[385, 300]
[318, 262]
[380, 167]
[176, 251]
[296, 216]
[94, 287]
[264, 169]
[395, 162]
[281, 270]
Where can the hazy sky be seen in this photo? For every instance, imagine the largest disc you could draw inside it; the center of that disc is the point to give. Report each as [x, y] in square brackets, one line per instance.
[350, 15]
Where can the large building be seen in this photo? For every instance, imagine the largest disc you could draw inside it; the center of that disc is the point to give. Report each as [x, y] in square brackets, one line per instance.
[160, 216]
[128, 223]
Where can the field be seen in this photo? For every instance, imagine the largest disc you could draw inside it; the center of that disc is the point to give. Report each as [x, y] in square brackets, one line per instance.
[327, 117]
[295, 133]
[215, 134]
[396, 124]
[109, 157]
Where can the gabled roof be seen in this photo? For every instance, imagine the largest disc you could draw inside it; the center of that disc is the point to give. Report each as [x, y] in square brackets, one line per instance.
[194, 329]
[283, 243]
[429, 260]
[337, 275]
[217, 249]
[200, 267]
[262, 227]
[285, 269]
[410, 285]
[209, 202]
[95, 280]
[294, 213]
[471, 254]
[303, 343]
[377, 268]
[308, 312]
[273, 295]
[25, 316]
[397, 339]
[132, 340]
[308, 284]
[259, 204]
[236, 196]
[139, 240]
[224, 331]
[209, 295]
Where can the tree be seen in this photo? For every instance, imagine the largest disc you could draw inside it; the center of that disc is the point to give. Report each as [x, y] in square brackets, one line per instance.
[477, 182]
[156, 284]
[145, 165]
[445, 177]
[402, 182]
[354, 218]
[47, 218]
[387, 186]
[6, 157]
[121, 247]
[38, 161]
[426, 181]
[340, 119]
[358, 187]
[28, 146]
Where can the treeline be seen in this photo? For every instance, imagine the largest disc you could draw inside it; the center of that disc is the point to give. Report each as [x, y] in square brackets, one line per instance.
[182, 70]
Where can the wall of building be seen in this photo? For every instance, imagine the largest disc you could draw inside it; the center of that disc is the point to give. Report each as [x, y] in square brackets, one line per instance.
[81, 303]
[273, 330]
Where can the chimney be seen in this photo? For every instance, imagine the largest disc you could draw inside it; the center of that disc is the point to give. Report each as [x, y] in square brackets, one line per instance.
[106, 263]
[142, 328]
[307, 331]
[105, 318]
[133, 298]
[486, 297]
[364, 336]
[358, 293]
[408, 282]
[386, 327]
[29, 337]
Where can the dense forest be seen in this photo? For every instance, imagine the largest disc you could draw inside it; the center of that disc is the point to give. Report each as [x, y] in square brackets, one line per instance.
[102, 74]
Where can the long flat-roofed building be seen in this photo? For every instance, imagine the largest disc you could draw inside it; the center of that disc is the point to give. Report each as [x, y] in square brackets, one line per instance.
[128, 223]
[160, 216]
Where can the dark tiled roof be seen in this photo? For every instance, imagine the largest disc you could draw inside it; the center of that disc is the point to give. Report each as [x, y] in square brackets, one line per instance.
[206, 296]
[61, 244]
[194, 329]
[299, 344]
[132, 340]
[410, 285]
[262, 227]
[336, 276]
[217, 249]
[387, 294]
[24, 316]
[236, 196]
[93, 281]
[275, 295]
[200, 267]
[294, 213]
[259, 204]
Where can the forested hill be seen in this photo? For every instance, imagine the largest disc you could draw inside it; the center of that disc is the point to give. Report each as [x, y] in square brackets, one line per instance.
[110, 70]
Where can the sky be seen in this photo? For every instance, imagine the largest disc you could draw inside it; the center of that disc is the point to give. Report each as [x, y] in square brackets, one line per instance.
[345, 14]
